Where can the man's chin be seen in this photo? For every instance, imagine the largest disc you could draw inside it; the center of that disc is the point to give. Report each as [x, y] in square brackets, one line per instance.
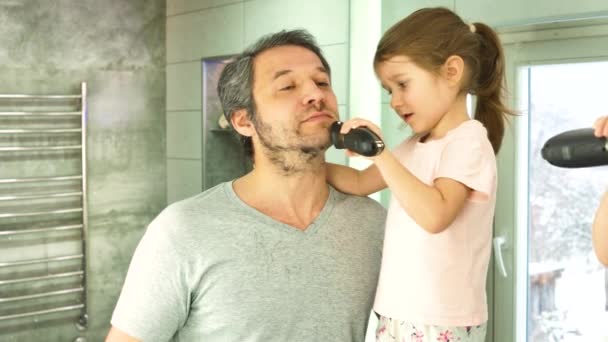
[316, 148]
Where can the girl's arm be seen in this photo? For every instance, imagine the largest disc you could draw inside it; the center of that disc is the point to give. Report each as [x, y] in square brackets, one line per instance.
[355, 182]
[600, 231]
[434, 207]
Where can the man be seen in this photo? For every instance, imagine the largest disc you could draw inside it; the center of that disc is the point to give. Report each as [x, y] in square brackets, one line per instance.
[276, 255]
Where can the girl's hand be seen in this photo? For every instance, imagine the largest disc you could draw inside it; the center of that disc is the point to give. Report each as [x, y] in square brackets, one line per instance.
[600, 126]
[354, 123]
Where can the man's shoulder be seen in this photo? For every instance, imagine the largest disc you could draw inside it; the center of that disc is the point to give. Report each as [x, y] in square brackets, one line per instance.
[364, 213]
[212, 198]
[204, 209]
[359, 204]
[357, 200]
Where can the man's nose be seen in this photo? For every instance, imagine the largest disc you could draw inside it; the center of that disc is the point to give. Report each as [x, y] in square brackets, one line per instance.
[314, 94]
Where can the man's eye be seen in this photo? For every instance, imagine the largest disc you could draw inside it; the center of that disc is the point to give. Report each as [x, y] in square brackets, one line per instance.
[323, 84]
[286, 88]
[402, 85]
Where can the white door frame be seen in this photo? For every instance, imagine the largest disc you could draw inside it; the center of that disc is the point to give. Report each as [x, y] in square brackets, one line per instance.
[585, 40]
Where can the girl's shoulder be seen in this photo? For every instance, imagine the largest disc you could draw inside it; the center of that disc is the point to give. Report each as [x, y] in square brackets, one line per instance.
[470, 131]
[470, 128]
[408, 144]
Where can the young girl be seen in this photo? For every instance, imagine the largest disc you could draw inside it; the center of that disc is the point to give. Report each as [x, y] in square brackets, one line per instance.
[443, 179]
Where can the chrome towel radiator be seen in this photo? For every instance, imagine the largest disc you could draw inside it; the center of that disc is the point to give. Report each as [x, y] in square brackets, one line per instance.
[43, 207]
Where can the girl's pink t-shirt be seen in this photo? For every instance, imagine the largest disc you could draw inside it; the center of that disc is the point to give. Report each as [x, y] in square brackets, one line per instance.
[440, 279]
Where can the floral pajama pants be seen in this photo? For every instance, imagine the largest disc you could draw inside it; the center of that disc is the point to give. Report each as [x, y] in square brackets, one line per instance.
[392, 330]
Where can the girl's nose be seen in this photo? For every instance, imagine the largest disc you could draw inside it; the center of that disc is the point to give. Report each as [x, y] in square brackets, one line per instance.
[395, 102]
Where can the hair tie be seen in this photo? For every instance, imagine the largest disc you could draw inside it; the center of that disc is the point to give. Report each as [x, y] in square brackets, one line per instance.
[472, 28]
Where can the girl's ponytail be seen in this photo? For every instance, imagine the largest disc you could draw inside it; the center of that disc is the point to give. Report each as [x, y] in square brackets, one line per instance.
[490, 85]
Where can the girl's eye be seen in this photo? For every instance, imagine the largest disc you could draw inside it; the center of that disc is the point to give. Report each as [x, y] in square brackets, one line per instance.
[323, 84]
[286, 88]
[402, 85]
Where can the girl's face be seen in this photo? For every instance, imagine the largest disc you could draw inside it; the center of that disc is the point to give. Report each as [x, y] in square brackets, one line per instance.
[419, 97]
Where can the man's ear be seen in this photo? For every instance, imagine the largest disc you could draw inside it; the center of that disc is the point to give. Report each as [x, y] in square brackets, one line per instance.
[241, 123]
[453, 70]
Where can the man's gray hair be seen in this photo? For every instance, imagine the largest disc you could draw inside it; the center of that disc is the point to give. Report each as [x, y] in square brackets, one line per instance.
[235, 86]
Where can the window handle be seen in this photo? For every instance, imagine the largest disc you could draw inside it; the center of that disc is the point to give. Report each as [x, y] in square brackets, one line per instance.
[499, 242]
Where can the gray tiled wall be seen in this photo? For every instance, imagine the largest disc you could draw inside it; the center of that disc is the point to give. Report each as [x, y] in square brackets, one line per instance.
[203, 29]
[117, 47]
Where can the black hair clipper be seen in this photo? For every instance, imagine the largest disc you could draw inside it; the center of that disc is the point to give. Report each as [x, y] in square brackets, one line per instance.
[360, 140]
[576, 148]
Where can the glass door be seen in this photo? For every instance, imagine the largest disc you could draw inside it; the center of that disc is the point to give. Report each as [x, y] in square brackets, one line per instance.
[566, 284]
[547, 284]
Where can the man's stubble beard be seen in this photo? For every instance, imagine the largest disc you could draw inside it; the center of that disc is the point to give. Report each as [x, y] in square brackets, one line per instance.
[289, 158]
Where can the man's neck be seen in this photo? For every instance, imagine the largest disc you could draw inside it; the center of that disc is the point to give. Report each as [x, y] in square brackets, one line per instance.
[295, 199]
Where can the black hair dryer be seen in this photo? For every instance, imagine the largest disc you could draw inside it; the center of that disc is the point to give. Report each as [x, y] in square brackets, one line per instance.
[576, 148]
[360, 140]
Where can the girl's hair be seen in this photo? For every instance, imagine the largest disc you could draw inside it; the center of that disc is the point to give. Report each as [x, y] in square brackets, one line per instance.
[430, 35]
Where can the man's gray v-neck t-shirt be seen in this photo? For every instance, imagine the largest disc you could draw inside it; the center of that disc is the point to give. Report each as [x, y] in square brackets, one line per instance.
[212, 268]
